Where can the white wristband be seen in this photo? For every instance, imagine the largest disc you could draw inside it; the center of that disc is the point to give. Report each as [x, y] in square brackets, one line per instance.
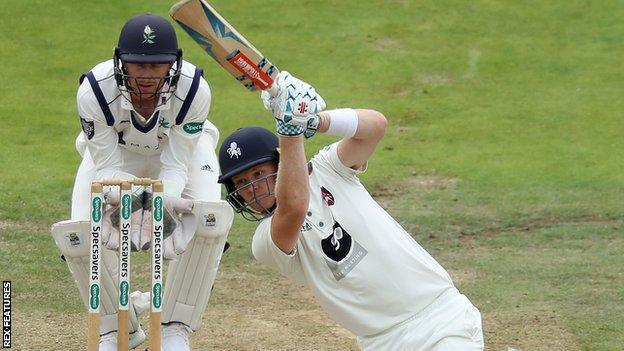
[343, 122]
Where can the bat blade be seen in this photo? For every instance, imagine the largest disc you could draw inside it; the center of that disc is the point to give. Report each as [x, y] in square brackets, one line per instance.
[224, 44]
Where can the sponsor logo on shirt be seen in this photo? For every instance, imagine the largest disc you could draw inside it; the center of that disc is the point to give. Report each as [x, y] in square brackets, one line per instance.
[337, 245]
[140, 146]
[87, 128]
[306, 227]
[206, 167]
[342, 253]
[193, 127]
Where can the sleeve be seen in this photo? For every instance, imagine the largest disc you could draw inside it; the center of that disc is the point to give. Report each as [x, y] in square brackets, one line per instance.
[266, 252]
[101, 138]
[328, 159]
[183, 138]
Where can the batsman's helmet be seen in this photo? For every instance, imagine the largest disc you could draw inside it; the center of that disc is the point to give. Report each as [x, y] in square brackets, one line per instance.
[245, 148]
[147, 38]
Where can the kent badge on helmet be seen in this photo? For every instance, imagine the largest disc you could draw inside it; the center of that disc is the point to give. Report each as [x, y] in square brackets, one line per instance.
[147, 38]
[245, 148]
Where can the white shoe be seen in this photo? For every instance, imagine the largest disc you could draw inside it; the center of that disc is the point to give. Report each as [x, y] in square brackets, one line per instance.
[108, 342]
[140, 302]
[175, 337]
[136, 338]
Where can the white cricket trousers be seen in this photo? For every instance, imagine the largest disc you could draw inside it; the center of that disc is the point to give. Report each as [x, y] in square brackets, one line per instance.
[450, 323]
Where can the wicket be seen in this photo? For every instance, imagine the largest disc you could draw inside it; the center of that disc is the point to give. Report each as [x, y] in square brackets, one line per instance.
[156, 291]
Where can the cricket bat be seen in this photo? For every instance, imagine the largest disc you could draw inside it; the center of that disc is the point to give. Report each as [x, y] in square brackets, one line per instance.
[225, 45]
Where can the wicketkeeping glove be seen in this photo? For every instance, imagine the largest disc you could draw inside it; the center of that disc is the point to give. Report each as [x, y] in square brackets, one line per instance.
[110, 221]
[179, 225]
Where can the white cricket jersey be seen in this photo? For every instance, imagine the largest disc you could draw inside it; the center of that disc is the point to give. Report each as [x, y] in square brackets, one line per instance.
[365, 270]
[165, 133]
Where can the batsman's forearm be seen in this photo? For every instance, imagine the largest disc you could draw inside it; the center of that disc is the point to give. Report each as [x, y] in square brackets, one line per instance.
[292, 189]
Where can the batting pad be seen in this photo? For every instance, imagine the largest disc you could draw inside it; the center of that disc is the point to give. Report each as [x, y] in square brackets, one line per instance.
[190, 278]
[72, 238]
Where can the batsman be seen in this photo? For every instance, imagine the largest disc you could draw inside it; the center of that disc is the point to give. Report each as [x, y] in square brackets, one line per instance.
[144, 115]
[319, 227]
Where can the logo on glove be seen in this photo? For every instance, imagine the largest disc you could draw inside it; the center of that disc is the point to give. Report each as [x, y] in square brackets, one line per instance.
[303, 107]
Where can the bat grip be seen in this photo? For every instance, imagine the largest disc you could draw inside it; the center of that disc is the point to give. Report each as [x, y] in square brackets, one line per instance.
[273, 90]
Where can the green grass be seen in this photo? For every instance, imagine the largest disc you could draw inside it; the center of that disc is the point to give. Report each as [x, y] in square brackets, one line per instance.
[503, 154]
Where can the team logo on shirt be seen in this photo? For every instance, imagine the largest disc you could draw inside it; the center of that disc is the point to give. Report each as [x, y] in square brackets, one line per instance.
[234, 150]
[148, 35]
[342, 253]
[327, 196]
[87, 128]
[163, 123]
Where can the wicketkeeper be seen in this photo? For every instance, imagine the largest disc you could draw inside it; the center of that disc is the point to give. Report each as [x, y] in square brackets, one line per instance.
[318, 226]
[143, 114]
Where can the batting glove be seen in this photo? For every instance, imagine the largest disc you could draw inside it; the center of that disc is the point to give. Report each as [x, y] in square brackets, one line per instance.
[295, 104]
[287, 129]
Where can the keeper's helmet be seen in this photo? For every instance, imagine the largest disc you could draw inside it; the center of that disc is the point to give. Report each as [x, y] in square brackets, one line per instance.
[148, 38]
[245, 148]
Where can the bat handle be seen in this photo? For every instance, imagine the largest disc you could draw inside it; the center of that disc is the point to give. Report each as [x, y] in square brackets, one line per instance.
[273, 90]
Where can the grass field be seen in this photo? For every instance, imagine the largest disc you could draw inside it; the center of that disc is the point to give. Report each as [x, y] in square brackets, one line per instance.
[503, 158]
